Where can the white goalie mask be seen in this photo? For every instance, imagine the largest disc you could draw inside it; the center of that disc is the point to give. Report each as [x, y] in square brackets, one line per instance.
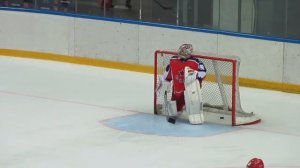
[185, 51]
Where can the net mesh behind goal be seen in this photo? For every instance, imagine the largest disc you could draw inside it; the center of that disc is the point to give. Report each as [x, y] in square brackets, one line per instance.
[220, 89]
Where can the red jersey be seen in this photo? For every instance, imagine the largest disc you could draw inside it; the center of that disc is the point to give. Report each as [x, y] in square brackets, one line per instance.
[175, 71]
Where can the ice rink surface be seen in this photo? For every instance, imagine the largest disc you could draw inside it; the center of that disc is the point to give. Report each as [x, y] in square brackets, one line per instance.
[60, 115]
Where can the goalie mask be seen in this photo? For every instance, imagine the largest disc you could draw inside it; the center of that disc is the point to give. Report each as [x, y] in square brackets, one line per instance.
[255, 163]
[185, 51]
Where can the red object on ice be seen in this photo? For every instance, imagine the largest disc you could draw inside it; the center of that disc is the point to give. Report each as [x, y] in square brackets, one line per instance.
[255, 163]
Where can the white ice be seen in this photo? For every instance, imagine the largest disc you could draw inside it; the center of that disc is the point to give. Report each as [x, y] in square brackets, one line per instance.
[52, 113]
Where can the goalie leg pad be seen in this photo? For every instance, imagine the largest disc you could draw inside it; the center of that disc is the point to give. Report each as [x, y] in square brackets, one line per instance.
[172, 109]
[169, 107]
[194, 108]
[196, 119]
[194, 102]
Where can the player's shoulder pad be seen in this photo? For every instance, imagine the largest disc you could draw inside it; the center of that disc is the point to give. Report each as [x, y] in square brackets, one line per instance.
[195, 59]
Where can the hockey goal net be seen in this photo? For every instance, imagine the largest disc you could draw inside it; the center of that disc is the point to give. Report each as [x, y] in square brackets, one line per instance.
[220, 89]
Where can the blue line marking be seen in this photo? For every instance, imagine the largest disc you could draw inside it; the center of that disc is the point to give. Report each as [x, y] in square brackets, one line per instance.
[157, 125]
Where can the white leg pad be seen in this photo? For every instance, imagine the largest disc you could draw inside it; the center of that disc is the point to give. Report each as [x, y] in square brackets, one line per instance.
[196, 118]
[194, 102]
[171, 107]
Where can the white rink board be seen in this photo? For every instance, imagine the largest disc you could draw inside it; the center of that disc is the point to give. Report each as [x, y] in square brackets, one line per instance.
[260, 59]
[107, 40]
[154, 38]
[133, 43]
[291, 63]
[37, 32]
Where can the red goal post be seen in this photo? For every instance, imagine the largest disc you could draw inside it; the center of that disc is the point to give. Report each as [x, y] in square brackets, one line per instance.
[220, 89]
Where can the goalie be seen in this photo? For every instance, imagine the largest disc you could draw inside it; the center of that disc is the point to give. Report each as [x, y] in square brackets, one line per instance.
[186, 74]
